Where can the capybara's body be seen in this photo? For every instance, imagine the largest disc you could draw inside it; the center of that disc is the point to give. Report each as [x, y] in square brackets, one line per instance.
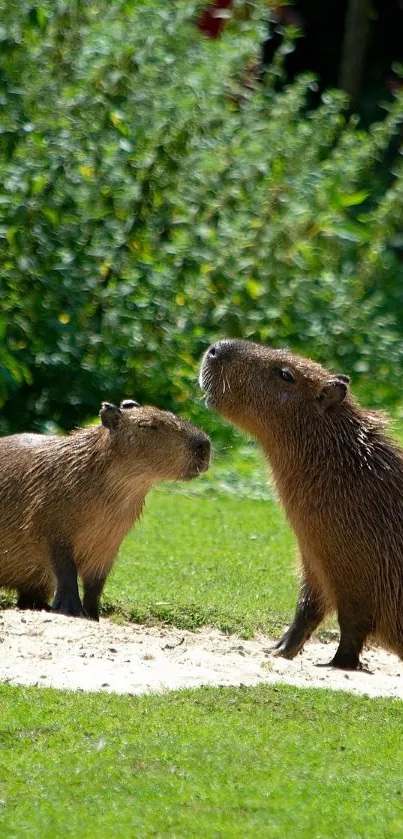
[340, 480]
[66, 503]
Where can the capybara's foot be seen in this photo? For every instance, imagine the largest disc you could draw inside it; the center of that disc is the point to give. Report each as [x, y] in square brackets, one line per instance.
[287, 647]
[67, 604]
[91, 614]
[308, 615]
[32, 600]
[92, 593]
[353, 634]
[346, 660]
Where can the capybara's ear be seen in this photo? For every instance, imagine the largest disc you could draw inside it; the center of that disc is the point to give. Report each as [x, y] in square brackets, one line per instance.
[343, 378]
[129, 403]
[332, 393]
[110, 415]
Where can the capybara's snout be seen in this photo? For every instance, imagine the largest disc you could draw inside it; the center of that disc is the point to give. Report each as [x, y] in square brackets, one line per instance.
[200, 454]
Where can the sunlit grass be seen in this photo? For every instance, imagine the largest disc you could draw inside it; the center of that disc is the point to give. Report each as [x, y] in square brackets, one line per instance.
[265, 762]
[215, 551]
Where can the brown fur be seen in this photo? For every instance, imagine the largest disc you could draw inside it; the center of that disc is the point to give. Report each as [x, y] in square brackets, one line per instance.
[340, 479]
[81, 494]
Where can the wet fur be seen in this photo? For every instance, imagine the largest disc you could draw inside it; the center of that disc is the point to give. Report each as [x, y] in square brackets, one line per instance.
[340, 479]
[84, 491]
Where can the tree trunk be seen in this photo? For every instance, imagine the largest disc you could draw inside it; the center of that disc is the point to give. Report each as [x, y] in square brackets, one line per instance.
[355, 42]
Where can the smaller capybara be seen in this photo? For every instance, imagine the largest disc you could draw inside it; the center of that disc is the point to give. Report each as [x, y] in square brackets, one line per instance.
[66, 503]
[340, 479]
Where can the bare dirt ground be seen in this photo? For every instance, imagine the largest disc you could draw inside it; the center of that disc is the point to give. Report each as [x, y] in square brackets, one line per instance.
[55, 651]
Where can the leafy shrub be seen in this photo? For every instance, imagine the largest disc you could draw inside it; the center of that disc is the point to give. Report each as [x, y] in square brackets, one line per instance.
[152, 201]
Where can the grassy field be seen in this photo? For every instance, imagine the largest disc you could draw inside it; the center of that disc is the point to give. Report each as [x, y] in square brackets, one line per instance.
[217, 551]
[257, 762]
[263, 762]
[214, 551]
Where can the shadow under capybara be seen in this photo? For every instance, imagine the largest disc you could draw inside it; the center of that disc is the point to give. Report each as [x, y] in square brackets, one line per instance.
[340, 480]
[66, 503]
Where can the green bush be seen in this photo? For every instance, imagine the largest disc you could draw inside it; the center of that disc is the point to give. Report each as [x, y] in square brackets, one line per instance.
[152, 201]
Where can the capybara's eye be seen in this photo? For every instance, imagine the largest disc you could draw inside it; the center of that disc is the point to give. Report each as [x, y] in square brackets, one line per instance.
[151, 426]
[129, 403]
[286, 375]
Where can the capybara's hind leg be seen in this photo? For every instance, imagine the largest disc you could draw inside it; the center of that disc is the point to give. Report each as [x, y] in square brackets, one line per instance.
[354, 630]
[67, 599]
[309, 614]
[33, 598]
[92, 592]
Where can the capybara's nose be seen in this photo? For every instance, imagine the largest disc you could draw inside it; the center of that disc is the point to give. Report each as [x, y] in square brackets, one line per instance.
[201, 449]
[218, 350]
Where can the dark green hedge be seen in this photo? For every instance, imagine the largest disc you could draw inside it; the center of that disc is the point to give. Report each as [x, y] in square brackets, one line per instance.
[151, 200]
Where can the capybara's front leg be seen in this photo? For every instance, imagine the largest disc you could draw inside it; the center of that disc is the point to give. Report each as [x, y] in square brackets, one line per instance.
[309, 614]
[67, 599]
[92, 593]
[354, 630]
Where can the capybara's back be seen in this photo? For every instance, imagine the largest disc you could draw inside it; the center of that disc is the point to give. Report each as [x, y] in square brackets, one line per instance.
[340, 479]
[66, 503]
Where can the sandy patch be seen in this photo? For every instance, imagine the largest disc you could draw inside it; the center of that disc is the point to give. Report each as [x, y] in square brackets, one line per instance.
[54, 651]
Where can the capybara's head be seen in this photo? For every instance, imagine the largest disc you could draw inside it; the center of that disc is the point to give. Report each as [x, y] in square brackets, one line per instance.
[155, 444]
[258, 387]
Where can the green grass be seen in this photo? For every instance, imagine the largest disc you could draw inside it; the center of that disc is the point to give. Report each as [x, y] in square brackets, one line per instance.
[206, 552]
[263, 762]
[215, 561]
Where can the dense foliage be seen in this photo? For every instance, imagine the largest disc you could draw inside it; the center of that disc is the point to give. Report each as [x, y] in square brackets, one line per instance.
[155, 195]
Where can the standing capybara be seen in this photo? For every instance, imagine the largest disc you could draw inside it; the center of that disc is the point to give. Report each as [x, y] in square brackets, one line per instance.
[340, 480]
[66, 503]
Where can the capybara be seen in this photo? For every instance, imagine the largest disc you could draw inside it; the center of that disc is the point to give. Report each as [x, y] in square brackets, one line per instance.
[66, 503]
[340, 479]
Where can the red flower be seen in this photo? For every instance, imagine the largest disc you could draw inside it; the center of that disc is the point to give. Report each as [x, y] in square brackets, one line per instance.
[211, 22]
